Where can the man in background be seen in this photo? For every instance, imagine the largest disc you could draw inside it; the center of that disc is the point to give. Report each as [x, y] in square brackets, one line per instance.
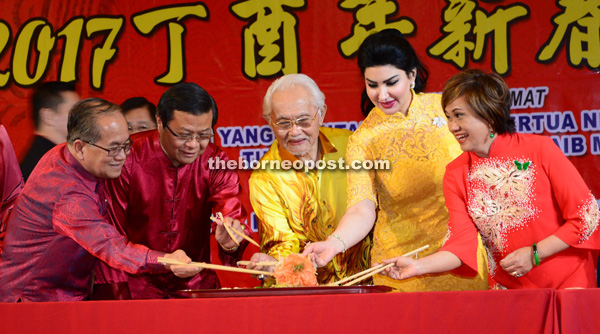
[51, 103]
[140, 114]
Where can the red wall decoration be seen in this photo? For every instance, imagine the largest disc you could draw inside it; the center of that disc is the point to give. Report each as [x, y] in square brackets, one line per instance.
[548, 52]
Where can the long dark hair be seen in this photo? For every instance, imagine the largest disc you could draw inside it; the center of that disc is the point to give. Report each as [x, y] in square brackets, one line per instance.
[389, 47]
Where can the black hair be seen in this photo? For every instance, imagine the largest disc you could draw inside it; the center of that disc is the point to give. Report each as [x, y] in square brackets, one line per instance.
[186, 97]
[139, 102]
[389, 47]
[48, 95]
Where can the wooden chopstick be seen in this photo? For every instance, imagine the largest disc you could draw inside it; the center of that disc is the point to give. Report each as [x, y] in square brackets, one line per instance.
[264, 263]
[418, 250]
[380, 269]
[214, 266]
[372, 269]
[226, 229]
[241, 234]
[364, 272]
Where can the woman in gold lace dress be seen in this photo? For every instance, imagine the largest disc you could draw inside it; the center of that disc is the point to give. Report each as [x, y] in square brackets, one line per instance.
[404, 204]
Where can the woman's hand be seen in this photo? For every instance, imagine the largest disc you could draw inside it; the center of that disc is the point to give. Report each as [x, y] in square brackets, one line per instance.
[403, 268]
[519, 262]
[323, 251]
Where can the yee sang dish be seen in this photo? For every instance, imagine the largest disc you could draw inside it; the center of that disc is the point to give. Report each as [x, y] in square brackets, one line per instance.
[295, 270]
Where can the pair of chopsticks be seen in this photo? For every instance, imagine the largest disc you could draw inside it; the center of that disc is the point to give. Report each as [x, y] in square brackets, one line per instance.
[262, 264]
[214, 266]
[230, 231]
[372, 271]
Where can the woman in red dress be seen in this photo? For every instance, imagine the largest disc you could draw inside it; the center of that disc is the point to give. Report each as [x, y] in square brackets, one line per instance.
[535, 214]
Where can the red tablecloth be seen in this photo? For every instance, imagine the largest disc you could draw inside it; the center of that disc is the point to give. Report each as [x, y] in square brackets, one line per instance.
[523, 311]
[577, 310]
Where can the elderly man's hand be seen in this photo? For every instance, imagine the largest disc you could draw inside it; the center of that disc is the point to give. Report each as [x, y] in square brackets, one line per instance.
[182, 271]
[261, 257]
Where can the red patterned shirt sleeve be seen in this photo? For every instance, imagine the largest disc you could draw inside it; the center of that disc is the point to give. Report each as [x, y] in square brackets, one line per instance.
[76, 216]
[225, 192]
[11, 179]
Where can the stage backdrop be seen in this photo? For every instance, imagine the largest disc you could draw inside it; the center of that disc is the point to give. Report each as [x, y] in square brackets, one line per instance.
[548, 52]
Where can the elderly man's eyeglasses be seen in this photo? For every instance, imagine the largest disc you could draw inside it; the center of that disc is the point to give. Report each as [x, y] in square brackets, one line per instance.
[186, 138]
[302, 122]
[113, 151]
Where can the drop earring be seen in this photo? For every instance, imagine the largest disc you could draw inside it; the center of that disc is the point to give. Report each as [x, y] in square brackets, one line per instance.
[412, 85]
[492, 135]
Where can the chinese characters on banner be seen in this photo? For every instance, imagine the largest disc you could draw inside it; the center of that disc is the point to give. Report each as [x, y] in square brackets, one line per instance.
[548, 52]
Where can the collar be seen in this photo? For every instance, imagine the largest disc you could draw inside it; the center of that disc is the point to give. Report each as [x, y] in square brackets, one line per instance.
[89, 181]
[500, 144]
[159, 152]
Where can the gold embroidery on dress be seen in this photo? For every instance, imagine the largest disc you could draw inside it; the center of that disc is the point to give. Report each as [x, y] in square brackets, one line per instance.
[492, 266]
[409, 195]
[500, 198]
[447, 236]
[589, 217]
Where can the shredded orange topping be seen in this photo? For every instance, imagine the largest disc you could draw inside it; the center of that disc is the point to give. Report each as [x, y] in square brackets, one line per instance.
[295, 271]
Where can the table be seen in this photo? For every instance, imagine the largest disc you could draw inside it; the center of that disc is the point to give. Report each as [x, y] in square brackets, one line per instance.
[577, 310]
[514, 311]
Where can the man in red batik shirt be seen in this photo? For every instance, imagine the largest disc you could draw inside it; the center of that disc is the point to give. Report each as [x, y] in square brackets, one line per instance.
[59, 228]
[166, 194]
[11, 180]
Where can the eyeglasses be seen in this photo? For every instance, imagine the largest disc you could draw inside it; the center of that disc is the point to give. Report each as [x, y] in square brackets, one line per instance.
[186, 138]
[135, 129]
[302, 122]
[113, 151]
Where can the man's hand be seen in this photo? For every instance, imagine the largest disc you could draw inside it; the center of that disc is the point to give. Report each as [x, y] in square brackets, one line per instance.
[261, 257]
[182, 271]
[225, 239]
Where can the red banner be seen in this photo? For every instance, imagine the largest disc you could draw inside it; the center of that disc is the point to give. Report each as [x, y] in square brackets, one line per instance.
[549, 54]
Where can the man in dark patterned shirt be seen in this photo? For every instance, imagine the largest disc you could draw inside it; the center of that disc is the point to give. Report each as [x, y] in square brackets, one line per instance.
[11, 180]
[59, 228]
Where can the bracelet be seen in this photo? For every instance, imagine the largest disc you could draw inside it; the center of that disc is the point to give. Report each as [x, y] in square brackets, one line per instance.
[536, 255]
[229, 250]
[342, 241]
